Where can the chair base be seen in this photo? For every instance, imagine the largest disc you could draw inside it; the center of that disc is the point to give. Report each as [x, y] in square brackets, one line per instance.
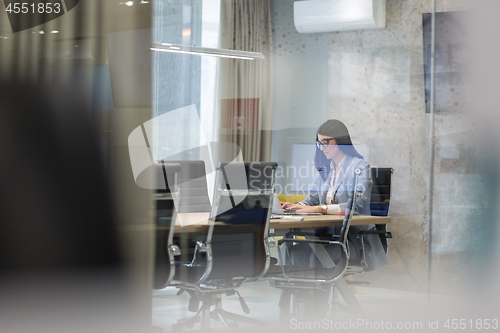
[205, 314]
[293, 306]
[300, 302]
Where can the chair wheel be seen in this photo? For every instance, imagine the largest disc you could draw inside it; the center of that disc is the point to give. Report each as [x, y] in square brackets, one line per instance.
[335, 307]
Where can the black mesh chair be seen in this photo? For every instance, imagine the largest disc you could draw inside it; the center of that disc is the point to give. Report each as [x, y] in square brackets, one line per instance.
[192, 197]
[234, 248]
[294, 280]
[167, 192]
[193, 188]
[379, 206]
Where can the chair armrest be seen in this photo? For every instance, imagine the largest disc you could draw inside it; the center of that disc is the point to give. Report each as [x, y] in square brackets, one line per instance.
[335, 272]
[310, 234]
[362, 233]
[316, 241]
[388, 234]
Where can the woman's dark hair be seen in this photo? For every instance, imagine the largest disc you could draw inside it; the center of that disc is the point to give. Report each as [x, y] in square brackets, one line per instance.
[336, 129]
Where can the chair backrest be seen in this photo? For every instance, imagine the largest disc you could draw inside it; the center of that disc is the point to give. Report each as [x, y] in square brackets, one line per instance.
[381, 191]
[240, 220]
[193, 188]
[344, 230]
[166, 175]
[381, 198]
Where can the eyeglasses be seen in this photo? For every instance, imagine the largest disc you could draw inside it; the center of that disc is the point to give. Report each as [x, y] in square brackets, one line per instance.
[325, 143]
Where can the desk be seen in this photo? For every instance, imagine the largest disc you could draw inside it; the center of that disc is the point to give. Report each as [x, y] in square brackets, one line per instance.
[311, 221]
[196, 222]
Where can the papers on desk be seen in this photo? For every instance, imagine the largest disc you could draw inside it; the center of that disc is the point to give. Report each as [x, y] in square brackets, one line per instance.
[185, 219]
[288, 217]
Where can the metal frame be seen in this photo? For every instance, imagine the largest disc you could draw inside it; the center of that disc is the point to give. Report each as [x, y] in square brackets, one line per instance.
[286, 281]
[343, 244]
[172, 250]
[209, 294]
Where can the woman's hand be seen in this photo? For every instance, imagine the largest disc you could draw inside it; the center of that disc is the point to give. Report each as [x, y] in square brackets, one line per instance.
[301, 208]
[289, 205]
[308, 209]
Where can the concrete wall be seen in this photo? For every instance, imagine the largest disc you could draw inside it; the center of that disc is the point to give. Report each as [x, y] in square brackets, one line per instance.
[376, 87]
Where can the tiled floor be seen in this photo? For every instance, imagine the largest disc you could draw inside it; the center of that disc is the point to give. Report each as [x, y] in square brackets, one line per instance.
[382, 307]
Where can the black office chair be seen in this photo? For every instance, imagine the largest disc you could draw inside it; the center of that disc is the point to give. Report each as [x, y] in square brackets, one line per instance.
[167, 192]
[381, 199]
[294, 280]
[235, 247]
[379, 205]
[192, 197]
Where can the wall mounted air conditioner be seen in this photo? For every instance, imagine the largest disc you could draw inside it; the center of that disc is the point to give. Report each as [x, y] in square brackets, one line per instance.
[338, 15]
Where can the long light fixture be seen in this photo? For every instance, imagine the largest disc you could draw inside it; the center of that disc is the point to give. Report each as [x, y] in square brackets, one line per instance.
[197, 50]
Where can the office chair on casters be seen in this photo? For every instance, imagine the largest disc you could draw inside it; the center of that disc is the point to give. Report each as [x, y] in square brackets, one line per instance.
[379, 206]
[235, 247]
[296, 279]
[165, 176]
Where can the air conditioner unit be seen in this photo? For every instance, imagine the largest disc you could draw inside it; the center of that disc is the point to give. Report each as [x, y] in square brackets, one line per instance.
[338, 15]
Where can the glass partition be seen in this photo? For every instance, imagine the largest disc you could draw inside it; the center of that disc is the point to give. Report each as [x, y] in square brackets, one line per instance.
[404, 95]
[90, 101]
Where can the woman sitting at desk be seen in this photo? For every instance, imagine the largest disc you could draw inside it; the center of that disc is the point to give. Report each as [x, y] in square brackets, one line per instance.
[336, 161]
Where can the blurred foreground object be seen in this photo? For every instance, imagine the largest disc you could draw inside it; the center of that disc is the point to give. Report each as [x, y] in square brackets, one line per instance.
[60, 265]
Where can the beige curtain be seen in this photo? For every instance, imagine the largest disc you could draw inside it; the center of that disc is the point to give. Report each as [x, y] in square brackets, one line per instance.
[245, 87]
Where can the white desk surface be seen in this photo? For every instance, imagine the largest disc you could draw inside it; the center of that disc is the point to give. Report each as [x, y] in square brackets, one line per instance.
[197, 221]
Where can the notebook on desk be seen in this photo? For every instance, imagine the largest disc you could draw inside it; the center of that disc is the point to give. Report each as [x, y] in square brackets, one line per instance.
[277, 210]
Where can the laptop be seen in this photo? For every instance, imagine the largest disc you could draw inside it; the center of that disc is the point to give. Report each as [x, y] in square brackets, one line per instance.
[277, 210]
